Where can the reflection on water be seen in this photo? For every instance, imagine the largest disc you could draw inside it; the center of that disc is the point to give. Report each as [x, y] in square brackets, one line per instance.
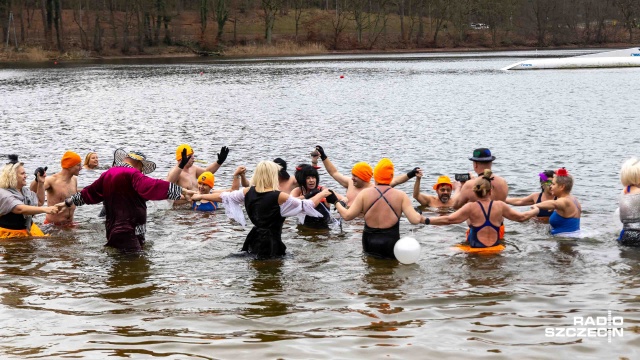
[190, 295]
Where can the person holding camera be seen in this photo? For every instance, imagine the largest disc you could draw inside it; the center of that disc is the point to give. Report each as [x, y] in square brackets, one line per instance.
[484, 214]
[443, 188]
[482, 160]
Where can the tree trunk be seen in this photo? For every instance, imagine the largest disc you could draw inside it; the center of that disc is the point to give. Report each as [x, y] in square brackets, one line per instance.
[97, 36]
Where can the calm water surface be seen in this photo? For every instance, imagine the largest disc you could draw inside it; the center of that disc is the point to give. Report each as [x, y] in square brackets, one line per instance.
[192, 296]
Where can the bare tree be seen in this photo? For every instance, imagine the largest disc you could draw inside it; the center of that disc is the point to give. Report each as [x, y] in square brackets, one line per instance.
[270, 8]
[222, 15]
[629, 9]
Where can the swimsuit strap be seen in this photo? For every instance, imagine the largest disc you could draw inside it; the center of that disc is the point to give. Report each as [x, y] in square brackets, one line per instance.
[539, 198]
[628, 189]
[486, 217]
[385, 199]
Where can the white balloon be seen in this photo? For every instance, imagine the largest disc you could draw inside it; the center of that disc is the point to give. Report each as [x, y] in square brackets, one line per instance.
[407, 250]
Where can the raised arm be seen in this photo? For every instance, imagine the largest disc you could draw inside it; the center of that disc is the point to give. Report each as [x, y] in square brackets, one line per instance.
[523, 201]
[174, 175]
[331, 169]
[463, 195]
[222, 156]
[401, 179]
[423, 199]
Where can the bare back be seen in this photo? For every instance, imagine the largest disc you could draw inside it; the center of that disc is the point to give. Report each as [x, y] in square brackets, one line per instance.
[499, 191]
[487, 235]
[58, 188]
[379, 213]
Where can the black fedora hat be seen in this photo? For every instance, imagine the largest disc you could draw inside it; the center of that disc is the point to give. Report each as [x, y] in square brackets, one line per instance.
[482, 155]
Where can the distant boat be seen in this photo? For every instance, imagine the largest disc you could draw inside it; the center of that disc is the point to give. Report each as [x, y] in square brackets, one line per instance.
[608, 59]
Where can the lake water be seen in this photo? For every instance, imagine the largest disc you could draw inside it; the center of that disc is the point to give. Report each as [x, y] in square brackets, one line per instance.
[191, 296]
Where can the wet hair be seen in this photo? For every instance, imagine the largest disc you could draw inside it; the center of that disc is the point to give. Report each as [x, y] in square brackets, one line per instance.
[9, 173]
[566, 181]
[265, 176]
[630, 172]
[303, 171]
[483, 184]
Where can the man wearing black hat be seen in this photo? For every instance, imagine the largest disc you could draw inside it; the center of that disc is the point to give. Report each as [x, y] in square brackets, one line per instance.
[287, 183]
[482, 159]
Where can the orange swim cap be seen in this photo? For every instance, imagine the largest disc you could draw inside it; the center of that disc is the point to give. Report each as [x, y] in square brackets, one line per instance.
[70, 159]
[362, 171]
[179, 151]
[383, 172]
[207, 178]
[442, 180]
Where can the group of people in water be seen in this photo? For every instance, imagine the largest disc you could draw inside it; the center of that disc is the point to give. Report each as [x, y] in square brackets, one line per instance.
[272, 194]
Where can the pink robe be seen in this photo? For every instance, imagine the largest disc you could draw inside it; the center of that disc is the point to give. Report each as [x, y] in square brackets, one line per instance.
[124, 191]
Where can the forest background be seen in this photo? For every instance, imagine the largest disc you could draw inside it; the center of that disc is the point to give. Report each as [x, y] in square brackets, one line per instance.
[45, 29]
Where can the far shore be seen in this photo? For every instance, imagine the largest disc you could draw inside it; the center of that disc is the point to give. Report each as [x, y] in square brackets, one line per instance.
[33, 56]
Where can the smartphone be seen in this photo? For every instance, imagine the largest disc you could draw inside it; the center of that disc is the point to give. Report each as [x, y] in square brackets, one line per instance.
[462, 177]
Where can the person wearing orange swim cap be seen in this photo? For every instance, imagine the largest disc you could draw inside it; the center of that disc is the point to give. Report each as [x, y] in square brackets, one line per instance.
[185, 173]
[443, 188]
[205, 187]
[61, 185]
[382, 207]
[485, 215]
[360, 178]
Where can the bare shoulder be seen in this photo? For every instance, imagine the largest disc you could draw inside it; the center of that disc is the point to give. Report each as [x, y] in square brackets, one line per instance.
[282, 197]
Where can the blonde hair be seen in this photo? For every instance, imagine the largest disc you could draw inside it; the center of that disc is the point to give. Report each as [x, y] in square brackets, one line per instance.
[566, 181]
[482, 187]
[87, 158]
[9, 176]
[630, 172]
[266, 176]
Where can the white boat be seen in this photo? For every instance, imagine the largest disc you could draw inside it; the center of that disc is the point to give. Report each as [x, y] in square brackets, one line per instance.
[608, 59]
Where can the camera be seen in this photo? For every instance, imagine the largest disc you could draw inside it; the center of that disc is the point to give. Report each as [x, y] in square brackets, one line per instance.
[462, 177]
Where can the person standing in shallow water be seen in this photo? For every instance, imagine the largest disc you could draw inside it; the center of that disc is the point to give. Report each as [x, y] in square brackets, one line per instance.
[18, 203]
[630, 203]
[565, 219]
[125, 189]
[382, 207]
[61, 185]
[267, 208]
[546, 178]
[483, 215]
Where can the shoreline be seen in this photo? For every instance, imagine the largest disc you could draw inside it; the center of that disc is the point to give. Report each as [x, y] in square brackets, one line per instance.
[170, 54]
